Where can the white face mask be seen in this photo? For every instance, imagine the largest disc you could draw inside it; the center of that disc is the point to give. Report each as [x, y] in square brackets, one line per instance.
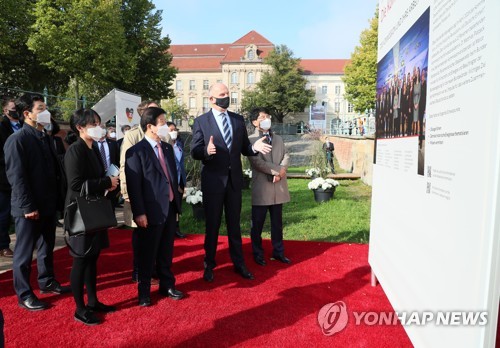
[173, 135]
[103, 131]
[95, 133]
[163, 131]
[112, 135]
[265, 124]
[43, 118]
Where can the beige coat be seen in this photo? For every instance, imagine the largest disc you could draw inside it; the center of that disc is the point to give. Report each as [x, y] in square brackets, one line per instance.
[264, 192]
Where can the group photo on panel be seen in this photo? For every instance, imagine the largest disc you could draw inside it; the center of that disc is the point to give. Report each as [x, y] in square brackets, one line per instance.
[45, 184]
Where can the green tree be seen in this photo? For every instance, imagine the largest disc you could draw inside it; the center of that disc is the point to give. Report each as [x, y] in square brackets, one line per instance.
[154, 74]
[281, 90]
[172, 108]
[83, 40]
[361, 74]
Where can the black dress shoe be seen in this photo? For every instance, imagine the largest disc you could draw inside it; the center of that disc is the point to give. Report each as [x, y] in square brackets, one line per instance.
[244, 272]
[55, 288]
[260, 260]
[173, 294]
[282, 258]
[144, 301]
[208, 275]
[87, 318]
[101, 308]
[32, 303]
[179, 234]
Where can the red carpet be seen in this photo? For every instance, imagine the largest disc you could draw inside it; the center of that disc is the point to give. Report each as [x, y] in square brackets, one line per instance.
[278, 309]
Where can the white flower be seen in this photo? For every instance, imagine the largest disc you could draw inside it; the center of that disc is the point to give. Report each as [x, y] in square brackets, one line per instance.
[324, 184]
[313, 171]
[247, 173]
[193, 195]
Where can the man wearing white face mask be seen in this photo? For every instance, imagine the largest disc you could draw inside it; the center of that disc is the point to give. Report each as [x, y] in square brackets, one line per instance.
[34, 174]
[178, 146]
[269, 188]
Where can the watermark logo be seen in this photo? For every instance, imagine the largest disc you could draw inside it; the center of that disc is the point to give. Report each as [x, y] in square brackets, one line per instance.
[332, 318]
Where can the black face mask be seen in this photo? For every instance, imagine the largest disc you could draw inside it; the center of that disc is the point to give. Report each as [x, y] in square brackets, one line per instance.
[14, 114]
[222, 102]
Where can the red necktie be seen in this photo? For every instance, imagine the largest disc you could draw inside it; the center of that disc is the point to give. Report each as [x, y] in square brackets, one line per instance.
[161, 158]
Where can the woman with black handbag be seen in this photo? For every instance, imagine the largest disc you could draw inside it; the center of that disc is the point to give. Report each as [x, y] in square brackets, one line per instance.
[84, 167]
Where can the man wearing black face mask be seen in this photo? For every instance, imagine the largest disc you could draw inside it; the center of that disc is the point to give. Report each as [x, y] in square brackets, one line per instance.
[9, 124]
[219, 139]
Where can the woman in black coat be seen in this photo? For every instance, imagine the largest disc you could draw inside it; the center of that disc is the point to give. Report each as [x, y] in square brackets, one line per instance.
[83, 164]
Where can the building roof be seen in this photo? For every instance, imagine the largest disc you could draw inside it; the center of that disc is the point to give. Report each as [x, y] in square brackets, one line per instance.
[210, 57]
[324, 66]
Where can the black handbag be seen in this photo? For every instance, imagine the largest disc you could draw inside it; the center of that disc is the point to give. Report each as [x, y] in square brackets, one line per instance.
[88, 214]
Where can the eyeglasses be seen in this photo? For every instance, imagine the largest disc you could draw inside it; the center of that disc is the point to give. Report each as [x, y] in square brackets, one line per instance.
[264, 117]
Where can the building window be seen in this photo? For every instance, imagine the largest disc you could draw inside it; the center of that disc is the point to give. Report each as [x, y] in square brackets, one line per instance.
[234, 77]
[192, 85]
[250, 78]
[219, 81]
[179, 101]
[192, 103]
[178, 85]
[337, 106]
[350, 107]
[337, 90]
[205, 85]
[205, 104]
[313, 88]
[324, 89]
[234, 98]
[251, 54]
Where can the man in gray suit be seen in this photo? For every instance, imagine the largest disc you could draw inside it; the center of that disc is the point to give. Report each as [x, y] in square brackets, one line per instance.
[269, 187]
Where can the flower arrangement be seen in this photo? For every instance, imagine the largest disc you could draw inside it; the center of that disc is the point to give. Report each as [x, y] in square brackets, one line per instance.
[194, 196]
[313, 171]
[320, 183]
[247, 173]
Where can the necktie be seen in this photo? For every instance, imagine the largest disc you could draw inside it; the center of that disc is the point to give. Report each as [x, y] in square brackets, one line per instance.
[163, 165]
[103, 155]
[268, 137]
[227, 131]
[16, 126]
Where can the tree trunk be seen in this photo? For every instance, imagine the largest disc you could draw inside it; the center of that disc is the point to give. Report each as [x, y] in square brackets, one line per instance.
[77, 94]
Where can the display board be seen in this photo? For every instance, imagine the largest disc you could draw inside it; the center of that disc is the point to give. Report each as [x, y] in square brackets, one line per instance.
[434, 238]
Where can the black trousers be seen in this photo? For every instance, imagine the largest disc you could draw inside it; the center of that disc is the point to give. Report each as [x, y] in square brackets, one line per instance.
[230, 201]
[156, 244]
[259, 213]
[30, 233]
[84, 272]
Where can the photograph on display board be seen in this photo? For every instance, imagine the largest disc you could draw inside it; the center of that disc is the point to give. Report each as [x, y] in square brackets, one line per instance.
[402, 88]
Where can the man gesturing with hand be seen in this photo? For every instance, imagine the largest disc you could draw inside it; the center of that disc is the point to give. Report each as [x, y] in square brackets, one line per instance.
[219, 139]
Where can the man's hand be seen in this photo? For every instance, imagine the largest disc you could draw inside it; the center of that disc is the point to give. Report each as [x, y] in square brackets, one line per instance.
[261, 146]
[34, 215]
[142, 221]
[282, 172]
[276, 179]
[211, 150]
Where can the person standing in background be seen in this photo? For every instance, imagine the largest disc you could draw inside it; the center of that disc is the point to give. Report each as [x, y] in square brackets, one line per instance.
[328, 147]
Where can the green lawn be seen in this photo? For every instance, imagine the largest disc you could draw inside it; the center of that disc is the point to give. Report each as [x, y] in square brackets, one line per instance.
[346, 218]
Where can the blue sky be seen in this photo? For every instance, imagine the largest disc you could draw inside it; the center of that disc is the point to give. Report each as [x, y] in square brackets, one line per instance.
[321, 29]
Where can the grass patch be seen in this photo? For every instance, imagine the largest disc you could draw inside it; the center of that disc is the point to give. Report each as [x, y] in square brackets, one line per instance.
[346, 218]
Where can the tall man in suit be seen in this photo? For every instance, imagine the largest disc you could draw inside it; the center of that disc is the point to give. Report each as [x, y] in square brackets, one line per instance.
[269, 188]
[107, 150]
[219, 139]
[154, 196]
[10, 123]
[35, 173]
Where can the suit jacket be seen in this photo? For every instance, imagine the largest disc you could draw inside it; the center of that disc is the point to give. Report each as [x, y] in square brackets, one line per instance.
[132, 137]
[114, 158]
[265, 192]
[225, 166]
[5, 132]
[148, 187]
[181, 167]
[34, 173]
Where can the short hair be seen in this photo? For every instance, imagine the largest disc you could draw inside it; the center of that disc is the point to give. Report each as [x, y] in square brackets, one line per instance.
[171, 124]
[143, 106]
[124, 128]
[27, 101]
[254, 114]
[83, 117]
[6, 100]
[149, 116]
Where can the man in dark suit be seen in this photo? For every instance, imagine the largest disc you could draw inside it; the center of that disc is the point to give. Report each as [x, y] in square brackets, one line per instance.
[108, 152]
[155, 200]
[10, 123]
[219, 139]
[34, 173]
